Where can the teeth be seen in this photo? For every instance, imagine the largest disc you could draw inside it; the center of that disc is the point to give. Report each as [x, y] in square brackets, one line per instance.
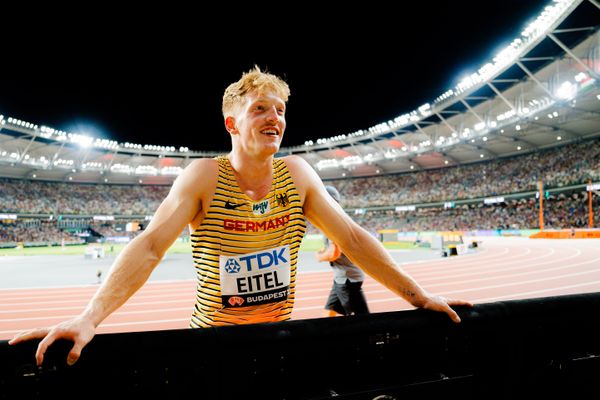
[270, 132]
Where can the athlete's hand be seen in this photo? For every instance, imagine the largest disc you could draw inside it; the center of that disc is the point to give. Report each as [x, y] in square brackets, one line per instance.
[442, 304]
[78, 330]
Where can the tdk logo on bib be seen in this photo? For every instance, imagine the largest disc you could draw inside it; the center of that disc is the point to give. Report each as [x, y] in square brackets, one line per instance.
[255, 278]
[232, 266]
[258, 260]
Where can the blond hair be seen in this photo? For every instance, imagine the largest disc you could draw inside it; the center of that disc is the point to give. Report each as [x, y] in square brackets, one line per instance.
[253, 81]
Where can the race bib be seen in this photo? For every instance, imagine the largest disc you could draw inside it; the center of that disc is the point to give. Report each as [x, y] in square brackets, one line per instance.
[255, 278]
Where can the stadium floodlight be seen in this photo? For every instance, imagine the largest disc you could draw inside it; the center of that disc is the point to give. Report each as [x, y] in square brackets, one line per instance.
[329, 163]
[171, 170]
[64, 163]
[121, 168]
[580, 77]
[46, 132]
[506, 115]
[92, 165]
[425, 109]
[566, 91]
[371, 158]
[389, 154]
[106, 144]
[146, 170]
[352, 160]
[38, 162]
[82, 140]
[402, 120]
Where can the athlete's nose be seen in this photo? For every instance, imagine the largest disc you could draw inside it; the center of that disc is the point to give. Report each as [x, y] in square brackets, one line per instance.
[272, 115]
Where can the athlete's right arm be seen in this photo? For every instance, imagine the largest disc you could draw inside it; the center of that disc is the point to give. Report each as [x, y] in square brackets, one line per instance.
[185, 201]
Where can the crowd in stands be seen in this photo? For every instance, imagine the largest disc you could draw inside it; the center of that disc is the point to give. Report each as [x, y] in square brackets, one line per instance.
[560, 212]
[37, 197]
[36, 232]
[558, 167]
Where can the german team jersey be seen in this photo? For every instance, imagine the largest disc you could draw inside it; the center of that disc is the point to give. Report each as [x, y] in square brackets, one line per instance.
[245, 252]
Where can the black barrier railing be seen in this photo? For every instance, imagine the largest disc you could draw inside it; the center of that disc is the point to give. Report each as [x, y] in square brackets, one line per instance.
[537, 348]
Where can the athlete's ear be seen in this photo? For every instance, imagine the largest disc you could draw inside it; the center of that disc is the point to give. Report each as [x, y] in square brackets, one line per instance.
[230, 125]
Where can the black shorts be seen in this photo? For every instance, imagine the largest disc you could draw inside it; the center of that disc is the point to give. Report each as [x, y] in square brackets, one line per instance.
[347, 298]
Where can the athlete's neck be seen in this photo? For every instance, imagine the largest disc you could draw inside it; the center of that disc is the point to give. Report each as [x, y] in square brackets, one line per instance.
[254, 176]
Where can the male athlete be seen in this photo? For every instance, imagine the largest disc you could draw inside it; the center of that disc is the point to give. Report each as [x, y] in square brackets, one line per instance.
[246, 213]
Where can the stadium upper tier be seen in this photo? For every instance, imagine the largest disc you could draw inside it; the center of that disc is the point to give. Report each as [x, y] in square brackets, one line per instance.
[559, 167]
[540, 91]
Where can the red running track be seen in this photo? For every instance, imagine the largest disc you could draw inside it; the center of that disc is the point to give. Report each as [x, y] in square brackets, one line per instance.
[501, 269]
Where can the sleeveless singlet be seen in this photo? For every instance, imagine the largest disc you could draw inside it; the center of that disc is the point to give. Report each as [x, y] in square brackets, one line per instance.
[245, 252]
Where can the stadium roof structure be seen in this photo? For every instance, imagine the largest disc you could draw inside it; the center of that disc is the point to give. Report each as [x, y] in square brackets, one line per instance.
[542, 91]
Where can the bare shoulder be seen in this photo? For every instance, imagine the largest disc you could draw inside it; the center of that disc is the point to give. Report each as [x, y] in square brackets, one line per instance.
[203, 166]
[200, 170]
[199, 177]
[297, 165]
[303, 174]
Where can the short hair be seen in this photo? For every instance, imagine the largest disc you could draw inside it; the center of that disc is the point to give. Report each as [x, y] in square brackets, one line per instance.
[253, 80]
[333, 192]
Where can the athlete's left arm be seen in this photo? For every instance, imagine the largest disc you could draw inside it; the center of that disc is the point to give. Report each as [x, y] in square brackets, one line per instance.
[360, 246]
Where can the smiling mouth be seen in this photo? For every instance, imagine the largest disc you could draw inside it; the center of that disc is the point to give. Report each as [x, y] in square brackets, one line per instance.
[270, 132]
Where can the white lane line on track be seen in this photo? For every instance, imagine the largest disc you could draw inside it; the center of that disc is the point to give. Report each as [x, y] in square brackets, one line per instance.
[580, 273]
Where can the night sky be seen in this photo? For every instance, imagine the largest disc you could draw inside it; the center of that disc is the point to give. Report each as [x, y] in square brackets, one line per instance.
[160, 80]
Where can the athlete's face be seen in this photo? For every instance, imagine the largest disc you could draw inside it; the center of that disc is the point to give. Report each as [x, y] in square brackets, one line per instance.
[259, 123]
